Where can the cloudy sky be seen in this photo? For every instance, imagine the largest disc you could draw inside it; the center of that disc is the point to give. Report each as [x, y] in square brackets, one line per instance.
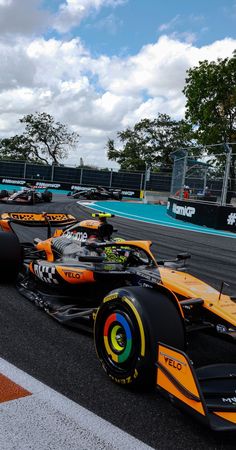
[102, 65]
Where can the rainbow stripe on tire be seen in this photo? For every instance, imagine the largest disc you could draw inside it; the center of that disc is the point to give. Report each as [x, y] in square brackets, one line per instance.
[117, 338]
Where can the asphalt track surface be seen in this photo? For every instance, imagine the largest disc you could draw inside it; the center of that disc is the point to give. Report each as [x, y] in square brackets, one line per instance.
[65, 359]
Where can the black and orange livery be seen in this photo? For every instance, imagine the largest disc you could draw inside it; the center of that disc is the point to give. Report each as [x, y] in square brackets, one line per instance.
[208, 393]
[139, 309]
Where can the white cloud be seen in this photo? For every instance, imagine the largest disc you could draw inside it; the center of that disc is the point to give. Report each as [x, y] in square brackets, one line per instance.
[5, 2]
[17, 69]
[170, 24]
[72, 12]
[95, 96]
[158, 69]
[22, 17]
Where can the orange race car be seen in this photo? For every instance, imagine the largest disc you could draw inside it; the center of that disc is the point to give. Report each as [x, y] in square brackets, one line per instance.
[139, 309]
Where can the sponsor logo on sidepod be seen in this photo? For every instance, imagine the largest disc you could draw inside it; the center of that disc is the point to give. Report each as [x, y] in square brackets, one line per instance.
[69, 274]
[173, 362]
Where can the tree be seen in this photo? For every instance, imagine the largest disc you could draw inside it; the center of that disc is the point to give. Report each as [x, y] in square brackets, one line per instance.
[149, 142]
[44, 140]
[211, 104]
[17, 148]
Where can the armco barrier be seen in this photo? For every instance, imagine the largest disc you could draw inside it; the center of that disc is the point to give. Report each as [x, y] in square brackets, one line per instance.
[202, 213]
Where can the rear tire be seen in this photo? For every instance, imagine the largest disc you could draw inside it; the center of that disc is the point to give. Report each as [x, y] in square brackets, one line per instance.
[129, 324]
[47, 196]
[4, 193]
[10, 256]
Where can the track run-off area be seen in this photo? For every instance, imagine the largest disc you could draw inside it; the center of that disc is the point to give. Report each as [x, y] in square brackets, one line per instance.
[64, 360]
[155, 214]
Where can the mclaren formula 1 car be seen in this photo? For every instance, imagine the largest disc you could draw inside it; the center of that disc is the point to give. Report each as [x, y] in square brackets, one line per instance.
[28, 196]
[140, 309]
[97, 193]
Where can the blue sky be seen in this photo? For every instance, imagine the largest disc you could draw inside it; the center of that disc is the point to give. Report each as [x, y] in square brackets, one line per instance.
[125, 29]
[100, 66]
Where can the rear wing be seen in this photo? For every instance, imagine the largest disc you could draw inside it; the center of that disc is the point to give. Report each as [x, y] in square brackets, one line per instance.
[35, 219]
[207, 393]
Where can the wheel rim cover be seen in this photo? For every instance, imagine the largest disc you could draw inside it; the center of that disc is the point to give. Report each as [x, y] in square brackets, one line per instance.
[117, 338]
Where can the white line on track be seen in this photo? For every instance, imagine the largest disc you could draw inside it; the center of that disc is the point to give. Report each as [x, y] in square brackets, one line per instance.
[48, 420]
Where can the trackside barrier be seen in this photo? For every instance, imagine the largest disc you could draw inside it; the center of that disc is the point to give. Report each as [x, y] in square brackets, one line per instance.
[82, 176]
[203, 213]
[19, 183]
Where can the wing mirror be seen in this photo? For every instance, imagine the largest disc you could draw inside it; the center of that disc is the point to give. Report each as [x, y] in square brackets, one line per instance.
[183, 256]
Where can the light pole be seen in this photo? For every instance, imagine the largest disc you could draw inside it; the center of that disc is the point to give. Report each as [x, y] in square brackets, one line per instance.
[146, 178]
[228, 151]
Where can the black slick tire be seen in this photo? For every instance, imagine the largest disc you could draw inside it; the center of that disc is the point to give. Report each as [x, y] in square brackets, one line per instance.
[129, 324]
[10, 256]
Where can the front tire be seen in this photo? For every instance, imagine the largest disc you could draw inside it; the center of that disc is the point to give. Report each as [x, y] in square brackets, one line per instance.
[10, 256]
[129, 324]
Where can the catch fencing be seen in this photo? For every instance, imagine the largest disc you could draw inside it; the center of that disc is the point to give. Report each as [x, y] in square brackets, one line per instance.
[68, 177]
[208, 176]
[205, 176]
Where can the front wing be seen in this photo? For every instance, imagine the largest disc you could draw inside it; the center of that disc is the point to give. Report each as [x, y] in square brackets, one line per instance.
[208, 393]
